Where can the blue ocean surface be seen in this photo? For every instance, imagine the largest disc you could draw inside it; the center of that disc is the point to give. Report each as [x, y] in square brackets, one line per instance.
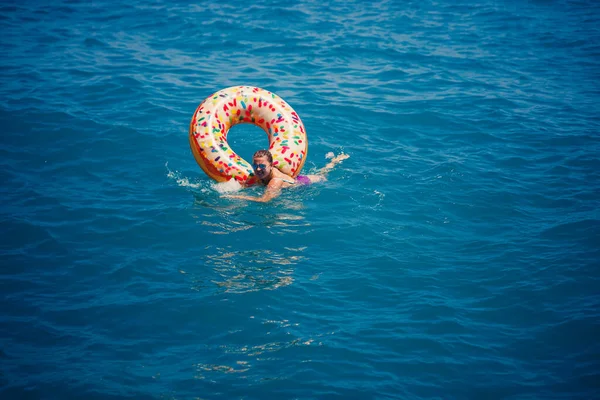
[454, 255]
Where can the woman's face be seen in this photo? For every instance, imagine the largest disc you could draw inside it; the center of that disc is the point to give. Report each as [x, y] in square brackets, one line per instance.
[262, 167]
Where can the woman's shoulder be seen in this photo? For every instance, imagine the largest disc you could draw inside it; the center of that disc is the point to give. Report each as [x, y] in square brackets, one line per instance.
[282, 177]
[278, 174]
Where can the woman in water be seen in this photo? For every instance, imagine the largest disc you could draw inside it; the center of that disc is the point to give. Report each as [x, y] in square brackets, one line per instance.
[275, 180]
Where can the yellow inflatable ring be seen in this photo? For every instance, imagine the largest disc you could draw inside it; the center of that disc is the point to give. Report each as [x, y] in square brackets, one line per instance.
[246, 104]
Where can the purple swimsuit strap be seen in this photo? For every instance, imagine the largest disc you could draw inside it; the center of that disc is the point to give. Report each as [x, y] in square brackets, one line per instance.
[303, 180]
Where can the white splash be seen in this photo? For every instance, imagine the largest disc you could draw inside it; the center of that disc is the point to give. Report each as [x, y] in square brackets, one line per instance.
[227, 187]
[204, 186]
[181, 181]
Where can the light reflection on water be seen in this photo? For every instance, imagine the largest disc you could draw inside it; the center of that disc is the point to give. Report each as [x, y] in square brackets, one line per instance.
[230, 267]
[253, 270]
[248, 359]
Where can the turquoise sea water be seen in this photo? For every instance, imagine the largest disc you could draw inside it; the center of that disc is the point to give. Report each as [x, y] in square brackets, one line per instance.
[455, 255]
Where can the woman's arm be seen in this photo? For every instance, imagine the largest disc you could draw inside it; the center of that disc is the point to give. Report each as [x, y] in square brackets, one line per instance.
[273, 190]
[335, 160]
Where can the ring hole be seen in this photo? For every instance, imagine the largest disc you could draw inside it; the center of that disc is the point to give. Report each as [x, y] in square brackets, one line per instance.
[246, 139]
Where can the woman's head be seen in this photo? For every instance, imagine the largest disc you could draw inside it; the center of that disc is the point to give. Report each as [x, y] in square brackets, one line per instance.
[262, 162]
[263, 153]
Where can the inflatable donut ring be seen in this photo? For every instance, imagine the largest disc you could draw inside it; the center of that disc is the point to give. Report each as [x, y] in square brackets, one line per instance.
[215, 116]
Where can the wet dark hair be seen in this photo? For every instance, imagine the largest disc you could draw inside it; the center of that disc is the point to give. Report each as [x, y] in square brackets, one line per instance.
[264, 153]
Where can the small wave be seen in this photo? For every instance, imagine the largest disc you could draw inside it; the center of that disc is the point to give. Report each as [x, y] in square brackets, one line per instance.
[93, 42]
[585, 228]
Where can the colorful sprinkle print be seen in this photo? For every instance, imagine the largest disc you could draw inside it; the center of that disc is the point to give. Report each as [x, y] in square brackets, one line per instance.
[218, 113]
